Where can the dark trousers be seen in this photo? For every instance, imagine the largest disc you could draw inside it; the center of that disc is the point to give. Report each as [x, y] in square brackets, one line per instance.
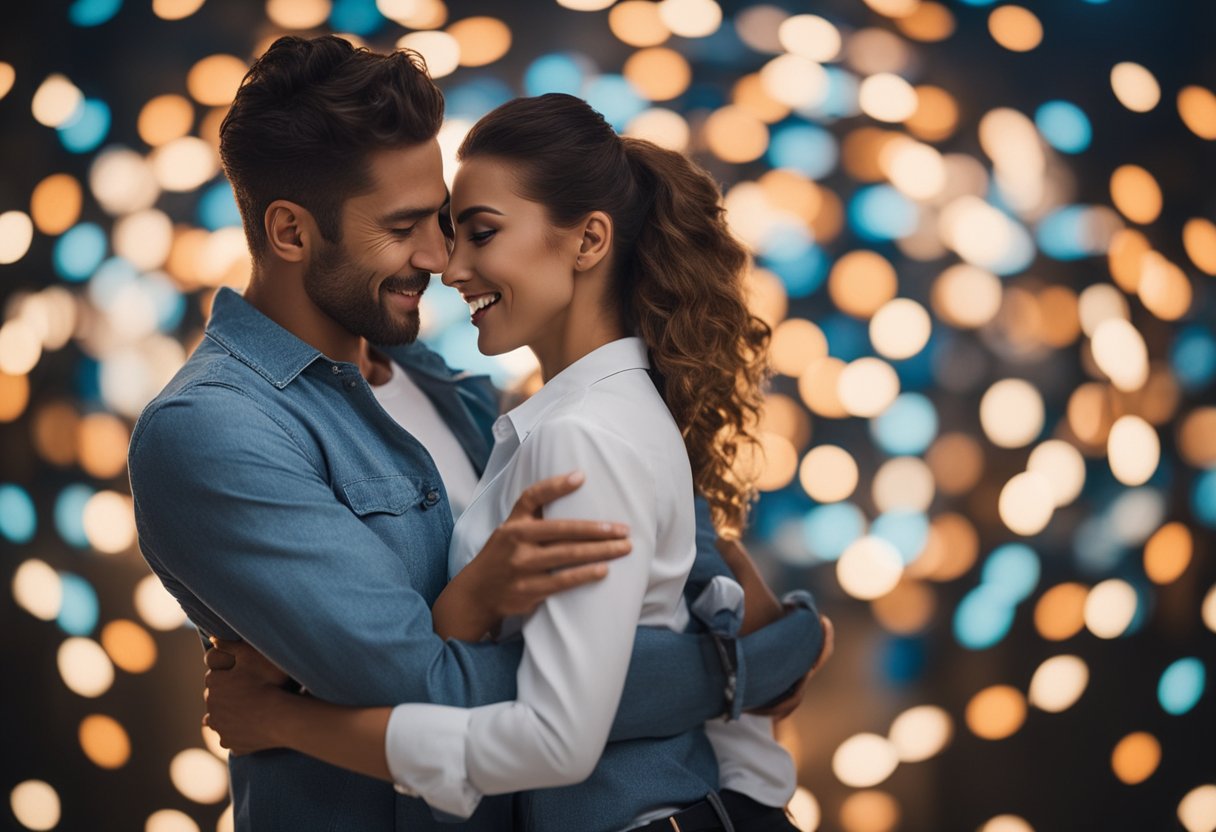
[749, 816]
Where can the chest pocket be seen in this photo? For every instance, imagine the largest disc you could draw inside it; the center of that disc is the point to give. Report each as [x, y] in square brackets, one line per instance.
[385, 495]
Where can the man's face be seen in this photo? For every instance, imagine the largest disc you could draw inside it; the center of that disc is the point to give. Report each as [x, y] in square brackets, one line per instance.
[371, 283]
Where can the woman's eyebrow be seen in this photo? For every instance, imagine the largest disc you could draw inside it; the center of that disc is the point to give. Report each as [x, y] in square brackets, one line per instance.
[476, 209]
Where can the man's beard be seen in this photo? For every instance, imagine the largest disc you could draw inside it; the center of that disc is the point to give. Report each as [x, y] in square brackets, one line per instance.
[339, 289]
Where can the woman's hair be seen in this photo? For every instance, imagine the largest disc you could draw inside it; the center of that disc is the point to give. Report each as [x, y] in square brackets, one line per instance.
[306, 117]
[678, 271]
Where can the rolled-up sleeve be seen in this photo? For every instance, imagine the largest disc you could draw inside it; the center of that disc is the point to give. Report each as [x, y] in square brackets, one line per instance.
[577, 647]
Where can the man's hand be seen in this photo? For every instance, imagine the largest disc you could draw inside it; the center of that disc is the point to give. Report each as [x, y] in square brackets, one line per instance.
[780, 710]
[241, 690]
[526, 560]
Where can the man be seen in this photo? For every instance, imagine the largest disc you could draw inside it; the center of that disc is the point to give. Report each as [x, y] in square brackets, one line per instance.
[282, 504]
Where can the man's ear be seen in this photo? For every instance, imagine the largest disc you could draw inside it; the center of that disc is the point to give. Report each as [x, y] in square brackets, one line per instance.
[290, 230]
[596, 241]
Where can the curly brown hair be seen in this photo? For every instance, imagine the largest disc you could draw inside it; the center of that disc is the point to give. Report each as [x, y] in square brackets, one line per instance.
[678, 273]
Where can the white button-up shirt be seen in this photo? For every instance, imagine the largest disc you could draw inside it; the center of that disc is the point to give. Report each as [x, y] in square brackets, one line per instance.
[601, 415]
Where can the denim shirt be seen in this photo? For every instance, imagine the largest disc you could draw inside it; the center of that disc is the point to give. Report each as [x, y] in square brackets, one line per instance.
[280, 504]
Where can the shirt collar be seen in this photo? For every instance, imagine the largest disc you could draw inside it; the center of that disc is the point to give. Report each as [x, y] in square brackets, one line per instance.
[256, 340]
[597, 365]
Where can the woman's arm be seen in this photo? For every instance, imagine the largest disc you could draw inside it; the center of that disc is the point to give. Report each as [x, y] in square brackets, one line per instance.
[760, 607]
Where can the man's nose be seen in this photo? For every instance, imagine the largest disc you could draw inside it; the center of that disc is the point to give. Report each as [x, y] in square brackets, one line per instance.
[432, 251]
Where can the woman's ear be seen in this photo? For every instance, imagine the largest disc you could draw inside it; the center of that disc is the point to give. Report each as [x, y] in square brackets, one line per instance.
[595, 242]
[289, 230]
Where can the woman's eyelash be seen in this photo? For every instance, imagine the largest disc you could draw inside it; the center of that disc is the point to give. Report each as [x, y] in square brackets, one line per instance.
[481, 236]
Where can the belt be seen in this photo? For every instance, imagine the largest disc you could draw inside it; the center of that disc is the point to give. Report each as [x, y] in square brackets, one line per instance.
[704, 816]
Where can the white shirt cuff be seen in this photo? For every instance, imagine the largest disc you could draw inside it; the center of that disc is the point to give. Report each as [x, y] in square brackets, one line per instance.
[425, 748]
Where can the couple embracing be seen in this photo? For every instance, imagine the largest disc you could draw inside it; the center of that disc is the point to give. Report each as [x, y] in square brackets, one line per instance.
[423, 613]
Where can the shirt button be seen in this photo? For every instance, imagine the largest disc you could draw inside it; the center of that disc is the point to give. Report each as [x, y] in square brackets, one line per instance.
[335, 369]
[351, 384]
[432, 497]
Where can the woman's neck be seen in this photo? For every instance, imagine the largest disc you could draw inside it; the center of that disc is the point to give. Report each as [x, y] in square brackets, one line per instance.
[579, 334]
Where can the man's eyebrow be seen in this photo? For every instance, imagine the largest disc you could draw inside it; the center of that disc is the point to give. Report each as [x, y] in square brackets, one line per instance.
[409, 214]
[476, 209]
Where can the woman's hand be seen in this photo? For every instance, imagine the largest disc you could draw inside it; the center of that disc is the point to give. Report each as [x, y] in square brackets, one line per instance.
[243, 692]
[526, 560]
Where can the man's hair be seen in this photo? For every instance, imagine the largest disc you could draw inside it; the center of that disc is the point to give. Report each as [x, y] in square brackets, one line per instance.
[305, 118]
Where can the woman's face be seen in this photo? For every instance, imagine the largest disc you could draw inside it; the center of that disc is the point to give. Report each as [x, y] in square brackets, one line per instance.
[509, 262]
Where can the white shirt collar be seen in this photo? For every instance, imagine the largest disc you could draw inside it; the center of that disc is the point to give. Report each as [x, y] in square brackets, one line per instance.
[597, 365]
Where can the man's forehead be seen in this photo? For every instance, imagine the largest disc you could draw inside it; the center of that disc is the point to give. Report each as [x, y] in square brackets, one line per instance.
[404, 181]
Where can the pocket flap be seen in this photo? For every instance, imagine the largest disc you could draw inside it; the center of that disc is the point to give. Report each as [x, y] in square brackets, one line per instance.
[390, 495]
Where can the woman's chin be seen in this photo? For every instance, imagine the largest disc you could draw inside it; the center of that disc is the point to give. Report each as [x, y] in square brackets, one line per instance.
[488, 345]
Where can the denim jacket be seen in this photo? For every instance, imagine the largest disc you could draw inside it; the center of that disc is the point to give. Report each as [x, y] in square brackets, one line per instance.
[280, 504]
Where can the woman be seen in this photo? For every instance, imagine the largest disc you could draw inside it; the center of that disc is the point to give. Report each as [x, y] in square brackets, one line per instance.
[609, 258]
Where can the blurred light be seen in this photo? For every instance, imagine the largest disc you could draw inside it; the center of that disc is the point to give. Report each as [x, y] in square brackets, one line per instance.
[887, 97]
[830, 529]
[900, 329]
[1164, 288]
[1006, 823]
[18, 520]
[1110, 608]
[298, 14]
[804, 809]
[20, 348]
[828, 474]
[1058, 683]
[869, 811]
[893, 8]
[1197, 437]
[555, 73]
[874, 51]
[85, 667]
[156, 606]
[1120, 352]
[1196, 105]
[8, 77]
[1197, 810]
[1135, 87]
[56, 101]
[1181, 686]
[123, 181]
[1015, 28]
[184, 164]
[907, 531]
[38, 590]
[1136, 757]
[921, 732]
[1011, 413]
[1060, 612]
[144, 238]
[80, 251]
[982, 618]
[615, 98]
[1134, 450]
[165, 118]
[985, 236]
[175, 9]
[957, 462]
[690, 18]
[810, 36]
[749, 93]
[482, 40]
[214, 80]
[1062, 466]
[996, 712]
[795, 344]
[1100, 302]
[54, 205]
[1012, 572]
[1027, 503]
[638, 23]
[14, 396]
[1136, 194]
[1199, 238]
[35, 804]
[757, 26]
[880, 213]
[129, 646]
[357, 17]
[916, 169]
[1168, 553]
[736, 136]
[1064, 125]
[907, 426]
[904, 483]
[966, 296]
[780, 462]
[665, 128]
[929, 22]
[805, 148]
[87, 128]
[440, 50]
[585, 5]
[950, 551]
[936, 116]
[109, 522]
[867, 386]
[16, 234]
[1135, 513]
[795, 81]
[1208, 610]
[783, 416]
[170, 820]
[79, 609]
[104, 741]
[869, 568]
[69, 514]
[199, 776]
[658, 73]
[864, 760]
[908, 609]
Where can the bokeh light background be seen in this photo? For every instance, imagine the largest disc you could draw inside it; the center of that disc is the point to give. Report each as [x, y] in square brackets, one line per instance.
[984, 238]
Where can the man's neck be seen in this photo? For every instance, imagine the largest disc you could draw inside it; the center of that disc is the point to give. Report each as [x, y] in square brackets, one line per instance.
[282, 299]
